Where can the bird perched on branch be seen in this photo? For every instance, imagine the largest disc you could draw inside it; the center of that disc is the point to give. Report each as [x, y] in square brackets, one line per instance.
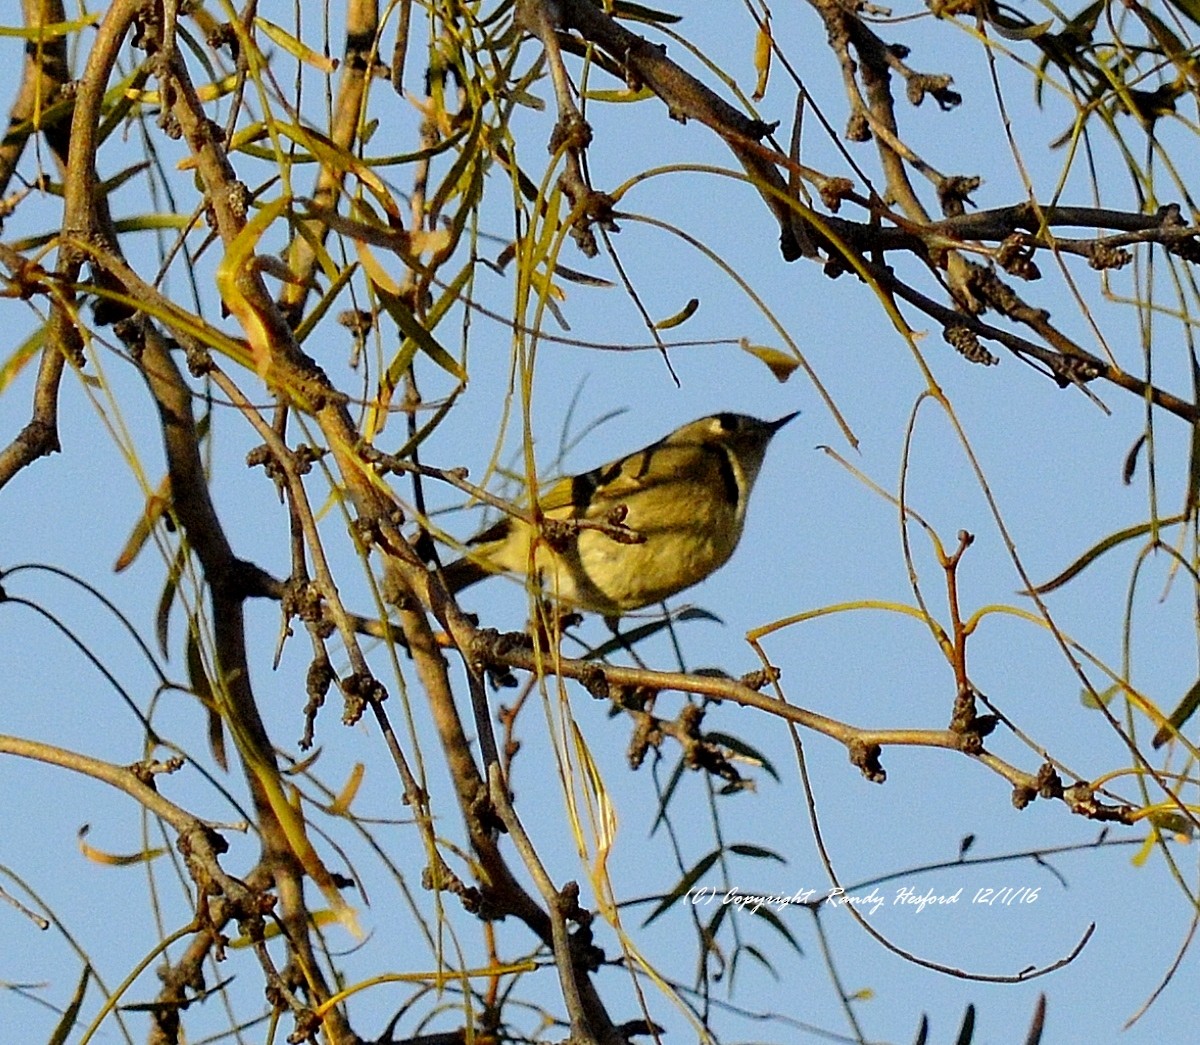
[638, 530]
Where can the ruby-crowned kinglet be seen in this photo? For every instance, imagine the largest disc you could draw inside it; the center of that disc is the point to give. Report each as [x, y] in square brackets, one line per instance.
[684, 497]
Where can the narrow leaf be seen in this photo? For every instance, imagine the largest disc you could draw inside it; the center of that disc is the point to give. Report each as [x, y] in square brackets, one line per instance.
[62, 1030]
[298, 50]
[772, 919]
[414, 330]
[202, 687]
[1107, 544]
[779, 363]
[22, 354]
[1186, 709]
[99, 856]
[762, 58]
[746, 751]
[682, 316]
[684, 884]
[637, 13]
[162, 615]
[157, 505]
[756, 851]
[341, 804]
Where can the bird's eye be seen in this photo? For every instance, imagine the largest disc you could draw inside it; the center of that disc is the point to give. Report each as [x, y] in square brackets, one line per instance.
[727, 422]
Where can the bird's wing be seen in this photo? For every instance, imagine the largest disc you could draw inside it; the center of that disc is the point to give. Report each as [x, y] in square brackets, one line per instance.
[602, 487]
[496, 532]
[625, 477]
[562, 494]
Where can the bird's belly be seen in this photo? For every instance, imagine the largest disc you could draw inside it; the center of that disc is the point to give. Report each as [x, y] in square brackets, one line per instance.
[630, 576]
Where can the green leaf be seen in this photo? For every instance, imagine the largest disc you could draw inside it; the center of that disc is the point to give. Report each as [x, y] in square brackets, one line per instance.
[747, 751]
[1186, 709]
[317, 312]
[1011, 31]
[1098, 549]
[637, 13]
[202, 687]
[756, 852]
[776, 923]
[162, 615]
[626, 639]
[51, 30]
[685, 883]
[415, 332]
[758, 956]
[667, 793]
[1102, 699]
[62, 1030]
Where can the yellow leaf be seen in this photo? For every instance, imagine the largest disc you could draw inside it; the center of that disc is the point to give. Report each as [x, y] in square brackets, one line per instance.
[156, 506]
[779, 363]
[23, 353]
[1146, 851]
[206, 92]
[625, 94]
[300, 51]
[115, 859]
[682, 316]
[337, 159]
[605, 814]
[762, 58]
[341, 804]
[272, 930]
[233, 270]
[41, 33]
[247, 136]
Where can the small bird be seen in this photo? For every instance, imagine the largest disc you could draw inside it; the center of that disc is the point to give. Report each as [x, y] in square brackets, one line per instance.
[683, 499]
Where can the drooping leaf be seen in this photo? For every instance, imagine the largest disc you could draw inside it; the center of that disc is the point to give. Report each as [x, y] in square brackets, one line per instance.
[626, 9]
[1091, 699]
[21, 355]
[62, 1030]
[781, 365]
[1179, 717]
[1113, 540]
[699, 869]
[157, 505]
[202, 687]
[682, 316]
[763, 46]
[746, 751]
[99, 856]
[297, 48]
[341, 804]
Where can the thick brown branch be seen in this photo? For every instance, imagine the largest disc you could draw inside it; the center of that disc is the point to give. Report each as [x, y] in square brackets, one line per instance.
[44, 76]
[200, 844]
[291, 369]
[362, 27]
[686, 99]
[863, 745]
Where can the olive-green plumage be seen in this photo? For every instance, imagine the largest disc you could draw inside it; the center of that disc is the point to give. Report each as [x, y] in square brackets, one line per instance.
[684, 496]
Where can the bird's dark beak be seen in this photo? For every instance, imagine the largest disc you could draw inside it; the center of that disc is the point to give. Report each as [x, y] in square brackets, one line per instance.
[776, 425]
